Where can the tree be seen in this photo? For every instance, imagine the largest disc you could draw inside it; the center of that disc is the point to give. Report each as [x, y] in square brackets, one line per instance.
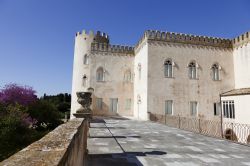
[15, 132]
[17, 94]
[46, 114]
[63, 107]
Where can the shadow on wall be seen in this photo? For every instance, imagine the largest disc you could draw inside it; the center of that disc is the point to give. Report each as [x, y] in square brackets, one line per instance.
[105, 109]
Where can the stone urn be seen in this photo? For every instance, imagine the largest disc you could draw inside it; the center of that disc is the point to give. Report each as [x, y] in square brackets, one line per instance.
[84, 98]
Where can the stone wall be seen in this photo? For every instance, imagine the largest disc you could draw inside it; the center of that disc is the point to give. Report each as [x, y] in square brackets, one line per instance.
[66, 145]
[180, 88]
[241, 56]
[114, 85]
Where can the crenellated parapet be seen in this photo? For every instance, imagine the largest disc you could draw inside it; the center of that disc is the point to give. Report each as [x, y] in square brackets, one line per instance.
[99, 37]
[104, 47]
[101, 41]
[84, 32]
[241, 40]
[187, 39]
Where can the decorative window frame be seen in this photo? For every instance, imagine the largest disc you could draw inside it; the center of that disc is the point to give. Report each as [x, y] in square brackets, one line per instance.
[172, 68]
[128, 77]
[172, 107]
[219, 71]
[103, 74]
[196, 70]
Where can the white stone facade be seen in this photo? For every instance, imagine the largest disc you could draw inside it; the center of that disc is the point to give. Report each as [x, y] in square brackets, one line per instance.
[133, 81]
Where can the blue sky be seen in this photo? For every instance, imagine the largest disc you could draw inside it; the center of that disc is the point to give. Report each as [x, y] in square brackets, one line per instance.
[37, 36]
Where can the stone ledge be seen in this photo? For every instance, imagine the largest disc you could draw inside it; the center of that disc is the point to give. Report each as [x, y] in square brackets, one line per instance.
[50, 149]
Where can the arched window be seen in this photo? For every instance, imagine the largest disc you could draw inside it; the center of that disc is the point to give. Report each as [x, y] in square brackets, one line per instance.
[100, 74]
[84, 80]
[215, 72]
[86, 59]
[168, 68]
[128, 76]
[192, 72]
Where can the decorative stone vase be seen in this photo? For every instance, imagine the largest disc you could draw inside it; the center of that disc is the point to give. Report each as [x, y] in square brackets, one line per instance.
[84, 98]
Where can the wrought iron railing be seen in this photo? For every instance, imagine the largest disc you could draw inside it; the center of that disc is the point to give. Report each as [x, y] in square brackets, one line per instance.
[215, 128]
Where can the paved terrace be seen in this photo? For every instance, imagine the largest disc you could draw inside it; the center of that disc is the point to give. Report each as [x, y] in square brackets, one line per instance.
[122, 142]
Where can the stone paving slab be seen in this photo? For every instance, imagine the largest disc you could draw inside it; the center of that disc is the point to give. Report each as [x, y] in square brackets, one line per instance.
[130, 142]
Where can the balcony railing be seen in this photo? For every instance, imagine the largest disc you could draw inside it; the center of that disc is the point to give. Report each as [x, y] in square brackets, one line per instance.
[232, 131]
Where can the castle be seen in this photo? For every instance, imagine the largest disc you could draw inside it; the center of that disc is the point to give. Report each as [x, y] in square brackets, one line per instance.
[164, 73]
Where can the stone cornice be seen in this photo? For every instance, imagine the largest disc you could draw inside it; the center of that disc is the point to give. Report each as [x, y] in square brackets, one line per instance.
[171, 44]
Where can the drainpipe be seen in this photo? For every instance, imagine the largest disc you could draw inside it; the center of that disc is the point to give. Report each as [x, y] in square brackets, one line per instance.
[221, 118]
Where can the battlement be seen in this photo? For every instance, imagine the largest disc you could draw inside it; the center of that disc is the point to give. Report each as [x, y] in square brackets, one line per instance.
[84, 32]
[187, 39]
[241, 40]
[99, 37]
[101, 40]
[104, 47]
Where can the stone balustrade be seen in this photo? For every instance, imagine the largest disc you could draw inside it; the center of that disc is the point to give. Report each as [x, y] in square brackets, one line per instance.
[66, 145]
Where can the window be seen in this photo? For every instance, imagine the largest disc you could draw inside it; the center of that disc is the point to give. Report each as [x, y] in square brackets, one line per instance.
[100, 74]
[193, 108]
[128, 104]
[169, 107]
[127, 76]
[138, 99]
[168, 69]
[86, 59]
[228, 109]
[215, 72]
[216, 109]
[192, 72]
[139, 70]
[113, 107]
[84, 81]
[99, 103]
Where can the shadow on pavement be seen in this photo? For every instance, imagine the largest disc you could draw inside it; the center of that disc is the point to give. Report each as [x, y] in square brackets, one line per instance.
[115, 136]
[108, 127]
[116, 159]
[119, 159]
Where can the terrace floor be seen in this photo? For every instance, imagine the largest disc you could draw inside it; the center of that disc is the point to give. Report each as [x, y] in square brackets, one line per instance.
[124, 142]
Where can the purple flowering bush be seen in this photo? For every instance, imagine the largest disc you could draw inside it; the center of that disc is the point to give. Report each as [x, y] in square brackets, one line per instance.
[17, 94]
